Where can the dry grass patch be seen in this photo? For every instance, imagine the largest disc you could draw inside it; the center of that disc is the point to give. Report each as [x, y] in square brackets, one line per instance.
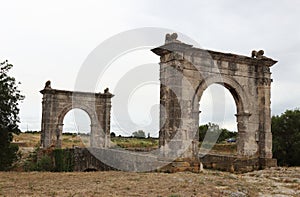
[114, 183]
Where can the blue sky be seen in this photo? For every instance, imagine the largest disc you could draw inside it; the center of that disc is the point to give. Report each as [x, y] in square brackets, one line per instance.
[51, 39]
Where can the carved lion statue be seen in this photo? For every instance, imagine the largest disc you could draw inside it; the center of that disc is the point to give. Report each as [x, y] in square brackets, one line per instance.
[48, 84]
[171, 38]
[257, 54]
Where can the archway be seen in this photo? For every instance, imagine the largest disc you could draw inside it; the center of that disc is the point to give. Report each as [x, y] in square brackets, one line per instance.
[57, 103]
[77, 121]
[217, 116]
[76, 129]
[246, 141]
[185, 72]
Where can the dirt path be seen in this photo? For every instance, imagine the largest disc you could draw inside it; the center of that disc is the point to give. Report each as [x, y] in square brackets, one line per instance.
[280, 181]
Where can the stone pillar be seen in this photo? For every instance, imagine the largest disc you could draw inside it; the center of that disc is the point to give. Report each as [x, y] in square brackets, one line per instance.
[265, 135]
[178, 120]
[58, 134]
[47, 120]
[190, 118]
[244, 145]
[170, 138]
[107, 121]
[46, 135]
[96, 138]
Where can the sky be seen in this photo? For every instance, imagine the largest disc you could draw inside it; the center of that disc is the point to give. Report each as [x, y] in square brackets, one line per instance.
[50, 40]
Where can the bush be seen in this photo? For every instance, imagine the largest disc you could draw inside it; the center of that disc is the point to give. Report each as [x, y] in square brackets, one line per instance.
[58, 160]
[8, 155]
[33, 163]
[30, 166]
[64, 160]
[44, 164]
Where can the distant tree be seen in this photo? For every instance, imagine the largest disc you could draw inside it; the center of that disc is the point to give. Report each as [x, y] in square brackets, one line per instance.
[286, 138]
[9, 110]
[202, 132]
[215, 132]
[139, 134]
[112, 134]
[226, 134]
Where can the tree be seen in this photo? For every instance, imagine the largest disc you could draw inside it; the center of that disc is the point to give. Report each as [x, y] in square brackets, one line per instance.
[215, 132]
[139, 134]
[9, 110]
[286, 138]
[202, 132]
[112, 134]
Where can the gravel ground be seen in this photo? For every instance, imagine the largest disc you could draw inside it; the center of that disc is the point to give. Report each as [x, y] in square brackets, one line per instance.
[270, 182]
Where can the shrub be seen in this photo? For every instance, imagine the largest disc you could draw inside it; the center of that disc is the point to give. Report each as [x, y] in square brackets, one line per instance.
[64, 160]
[44, 164]
[8, 155]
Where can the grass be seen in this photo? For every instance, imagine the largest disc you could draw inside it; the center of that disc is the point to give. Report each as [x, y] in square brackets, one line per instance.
[33, 140]
[69, 141]
[27, 139]
[221, 148]
[209, 183]
[116, 183]
[135, 142]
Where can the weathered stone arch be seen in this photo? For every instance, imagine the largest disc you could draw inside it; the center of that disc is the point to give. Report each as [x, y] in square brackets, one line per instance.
[241, 101]
[57, 103]
[91, 113]
[188, 71]
[237, 91]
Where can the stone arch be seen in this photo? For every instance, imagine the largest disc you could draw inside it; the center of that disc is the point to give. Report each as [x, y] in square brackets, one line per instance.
[237, 91]
[91, 113]
[241, 99]
[248, 79]
[93, 121]
[57, 103]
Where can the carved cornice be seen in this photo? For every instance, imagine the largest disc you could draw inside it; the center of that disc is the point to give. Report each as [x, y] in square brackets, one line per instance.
[189, 50]
[75, 93]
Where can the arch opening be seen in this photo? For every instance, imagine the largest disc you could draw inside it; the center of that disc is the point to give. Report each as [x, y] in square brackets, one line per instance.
[218, 130]
[76, 127]
[77, 121]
